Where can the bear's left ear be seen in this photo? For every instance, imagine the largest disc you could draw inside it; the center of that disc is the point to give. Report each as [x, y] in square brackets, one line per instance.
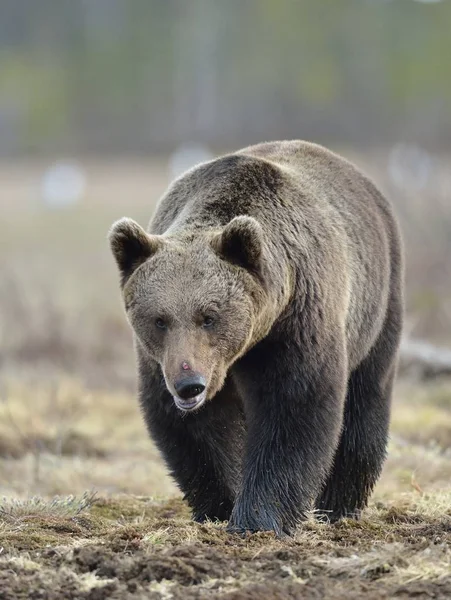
[131, 246]
[241, 243]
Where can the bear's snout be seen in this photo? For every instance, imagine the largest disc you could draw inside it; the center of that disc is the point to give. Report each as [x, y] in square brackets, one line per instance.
[190, 387]
[191, 392]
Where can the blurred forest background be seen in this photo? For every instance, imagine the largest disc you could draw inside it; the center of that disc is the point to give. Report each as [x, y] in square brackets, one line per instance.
[102, 102]
[117, 76]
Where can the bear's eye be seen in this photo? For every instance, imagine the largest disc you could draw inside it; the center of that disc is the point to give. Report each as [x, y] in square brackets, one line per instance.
[161, 323]
[207, 322]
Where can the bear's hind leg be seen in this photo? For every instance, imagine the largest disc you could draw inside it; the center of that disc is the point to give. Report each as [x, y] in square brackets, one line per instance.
[361, 453]
[203, 450]
[212, 473]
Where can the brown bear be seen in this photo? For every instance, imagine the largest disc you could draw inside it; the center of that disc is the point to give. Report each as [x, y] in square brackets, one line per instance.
[266, 302]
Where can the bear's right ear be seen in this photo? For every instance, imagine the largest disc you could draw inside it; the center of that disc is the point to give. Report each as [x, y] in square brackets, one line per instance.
[131, 246]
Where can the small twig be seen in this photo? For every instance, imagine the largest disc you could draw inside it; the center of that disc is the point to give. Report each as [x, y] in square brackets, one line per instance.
[416, 486]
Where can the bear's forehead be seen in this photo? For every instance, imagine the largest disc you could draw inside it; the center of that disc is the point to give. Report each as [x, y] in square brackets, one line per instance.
[183, 277]
[182, 297]
[191, 263]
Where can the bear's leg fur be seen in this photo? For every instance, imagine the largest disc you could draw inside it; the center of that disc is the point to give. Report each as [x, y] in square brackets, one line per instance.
[362, 449]
[294, 406]
[203, 450]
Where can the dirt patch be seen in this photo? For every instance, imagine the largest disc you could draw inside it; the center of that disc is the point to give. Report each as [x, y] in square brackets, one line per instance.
[142, 548]
[199, 572]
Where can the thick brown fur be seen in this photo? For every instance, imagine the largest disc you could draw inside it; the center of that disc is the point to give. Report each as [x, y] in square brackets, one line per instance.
[276, 275]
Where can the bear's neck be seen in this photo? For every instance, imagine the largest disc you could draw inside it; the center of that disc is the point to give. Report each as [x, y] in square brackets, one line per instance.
[274, 301]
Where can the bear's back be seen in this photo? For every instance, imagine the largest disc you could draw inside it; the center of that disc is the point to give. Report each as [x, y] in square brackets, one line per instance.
[260, 178]
[372, 238]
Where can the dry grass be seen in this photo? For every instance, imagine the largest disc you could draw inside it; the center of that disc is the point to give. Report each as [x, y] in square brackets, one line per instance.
[65, 439]
[88, 509]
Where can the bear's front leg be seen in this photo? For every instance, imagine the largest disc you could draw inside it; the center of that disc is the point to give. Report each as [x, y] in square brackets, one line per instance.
[202, 449]
[294, 406]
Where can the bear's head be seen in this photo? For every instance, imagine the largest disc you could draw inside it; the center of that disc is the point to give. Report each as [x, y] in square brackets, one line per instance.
[196, 301]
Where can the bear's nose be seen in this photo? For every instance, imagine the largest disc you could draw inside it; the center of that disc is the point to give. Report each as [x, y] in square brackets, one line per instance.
[190, 387]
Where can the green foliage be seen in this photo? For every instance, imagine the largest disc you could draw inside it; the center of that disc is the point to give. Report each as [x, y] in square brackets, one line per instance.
[152, 72]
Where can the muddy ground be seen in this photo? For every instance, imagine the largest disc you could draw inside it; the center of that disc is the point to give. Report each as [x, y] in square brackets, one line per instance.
[97, 549]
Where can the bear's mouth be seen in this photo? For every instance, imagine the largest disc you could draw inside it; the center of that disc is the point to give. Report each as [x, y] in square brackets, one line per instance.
[190, 403]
